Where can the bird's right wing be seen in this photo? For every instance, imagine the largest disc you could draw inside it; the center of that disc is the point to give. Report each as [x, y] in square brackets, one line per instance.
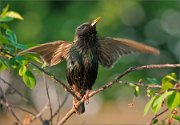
[111, 49]
[52, 53]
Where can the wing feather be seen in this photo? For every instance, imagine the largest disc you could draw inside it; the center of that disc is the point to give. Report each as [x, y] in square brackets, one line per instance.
[111, 49]
[53, 52]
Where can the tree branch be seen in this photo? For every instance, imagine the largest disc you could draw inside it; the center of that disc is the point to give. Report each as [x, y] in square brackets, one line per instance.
[67, 116]
[155, 66]
[40, 113]
[60, 106]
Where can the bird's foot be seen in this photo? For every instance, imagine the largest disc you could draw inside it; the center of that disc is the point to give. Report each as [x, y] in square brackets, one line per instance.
[75, 107]
[86, 96]
[78, 108]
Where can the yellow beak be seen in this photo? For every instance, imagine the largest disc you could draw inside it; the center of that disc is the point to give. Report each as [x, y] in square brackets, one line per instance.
[95, 21]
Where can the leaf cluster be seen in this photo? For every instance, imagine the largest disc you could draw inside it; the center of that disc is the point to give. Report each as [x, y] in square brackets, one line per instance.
[9, 48]
[168, 95]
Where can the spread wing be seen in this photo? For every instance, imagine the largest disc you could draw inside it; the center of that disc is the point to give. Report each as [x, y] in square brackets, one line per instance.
[110, 49]
[53, 52]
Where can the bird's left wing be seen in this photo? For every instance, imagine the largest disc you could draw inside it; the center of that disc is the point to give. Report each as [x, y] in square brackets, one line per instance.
[53, 52]
[111, 49]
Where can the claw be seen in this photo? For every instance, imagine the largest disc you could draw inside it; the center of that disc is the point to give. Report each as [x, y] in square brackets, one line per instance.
[86, 96]
[75, 106]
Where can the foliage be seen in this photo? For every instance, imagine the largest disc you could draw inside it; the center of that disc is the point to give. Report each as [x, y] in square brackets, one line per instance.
[167, 95]
[9, 48]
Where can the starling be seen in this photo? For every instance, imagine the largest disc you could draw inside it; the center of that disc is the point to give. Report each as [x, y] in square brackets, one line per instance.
[85, 53]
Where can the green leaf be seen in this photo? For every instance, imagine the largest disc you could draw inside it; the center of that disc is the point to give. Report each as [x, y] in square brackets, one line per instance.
[173, 100]
[136, 91]
[167, 81]
[9, 48]
[177, 117]
[4, 26]
[20, 46]
[7, 16]
[132, 85]
[153, 81]
[151, 92]
[5, 10]
[154, 121]
[11, 36]
[13, 40]
[169, 78]
[167, 85]
[13, 63]
[21, 60]
[29, 79]
[156, 105]
[3, 39]
[148, 105]
[3, 65]
[5, 19]
[14, 15]
[22, 70]
[33, 56]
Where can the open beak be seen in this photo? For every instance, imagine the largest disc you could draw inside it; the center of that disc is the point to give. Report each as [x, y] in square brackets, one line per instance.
[95, 21]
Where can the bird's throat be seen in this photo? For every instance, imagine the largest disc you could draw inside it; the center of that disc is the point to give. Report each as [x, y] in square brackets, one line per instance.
[86, 41]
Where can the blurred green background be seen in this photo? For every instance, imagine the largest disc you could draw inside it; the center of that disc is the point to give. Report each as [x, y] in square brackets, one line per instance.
[155, 23]
[152, 22]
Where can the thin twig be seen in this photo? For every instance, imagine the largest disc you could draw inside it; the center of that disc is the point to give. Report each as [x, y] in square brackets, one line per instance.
[9, 106]
[24, 110]
[40, 113]
[156, 116]
[148, 85]
[72, 111]
[11, 86]
[60, 106]
[49, 100]
[36, 110]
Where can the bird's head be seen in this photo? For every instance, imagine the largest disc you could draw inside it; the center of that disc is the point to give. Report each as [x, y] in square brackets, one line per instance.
[87, 29]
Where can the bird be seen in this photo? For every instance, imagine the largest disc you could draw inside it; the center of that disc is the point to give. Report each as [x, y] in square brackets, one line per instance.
[84, 55]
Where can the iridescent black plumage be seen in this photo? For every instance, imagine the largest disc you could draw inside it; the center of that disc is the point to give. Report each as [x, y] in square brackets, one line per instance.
[82, 63]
